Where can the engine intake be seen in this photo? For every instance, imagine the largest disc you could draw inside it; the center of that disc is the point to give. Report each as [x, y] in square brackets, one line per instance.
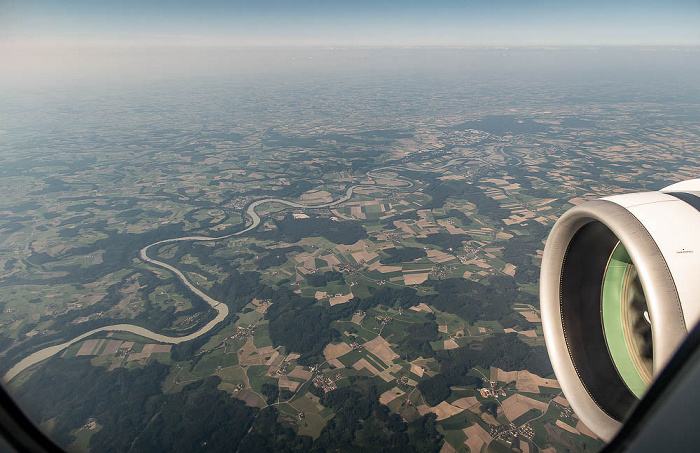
[619, 290]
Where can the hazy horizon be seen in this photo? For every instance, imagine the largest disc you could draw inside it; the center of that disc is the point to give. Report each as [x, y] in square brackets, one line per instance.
[32, 67]
[47, 43]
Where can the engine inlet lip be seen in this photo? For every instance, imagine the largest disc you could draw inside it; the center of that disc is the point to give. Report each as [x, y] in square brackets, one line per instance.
[668, 327]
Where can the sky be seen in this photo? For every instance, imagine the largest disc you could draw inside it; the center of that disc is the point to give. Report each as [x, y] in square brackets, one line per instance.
[349, 23]
[55, 43]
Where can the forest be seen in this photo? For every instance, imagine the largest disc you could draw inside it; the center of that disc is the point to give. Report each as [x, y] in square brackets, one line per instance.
[444, 240]
[136, 416]
[134, 413]
[474, 301]
[402, 255]
[416, 341]
[318, 280]
[290, 229]
[505, 351]
[440, 191]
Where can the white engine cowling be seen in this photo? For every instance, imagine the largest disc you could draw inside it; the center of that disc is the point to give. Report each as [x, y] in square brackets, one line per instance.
[619, 290]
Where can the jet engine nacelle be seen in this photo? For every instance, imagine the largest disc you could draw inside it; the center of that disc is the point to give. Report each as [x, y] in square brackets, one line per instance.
[619, 290]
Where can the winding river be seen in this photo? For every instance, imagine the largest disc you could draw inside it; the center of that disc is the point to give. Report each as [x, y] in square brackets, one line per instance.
[221, 308]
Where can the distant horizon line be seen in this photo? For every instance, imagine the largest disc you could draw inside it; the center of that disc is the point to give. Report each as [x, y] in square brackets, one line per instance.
[195, 45]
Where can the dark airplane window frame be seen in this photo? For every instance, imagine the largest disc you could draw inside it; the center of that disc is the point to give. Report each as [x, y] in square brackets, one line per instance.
[19, 432]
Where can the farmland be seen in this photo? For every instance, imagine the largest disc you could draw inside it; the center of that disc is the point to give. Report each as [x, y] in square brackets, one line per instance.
[394, 262]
